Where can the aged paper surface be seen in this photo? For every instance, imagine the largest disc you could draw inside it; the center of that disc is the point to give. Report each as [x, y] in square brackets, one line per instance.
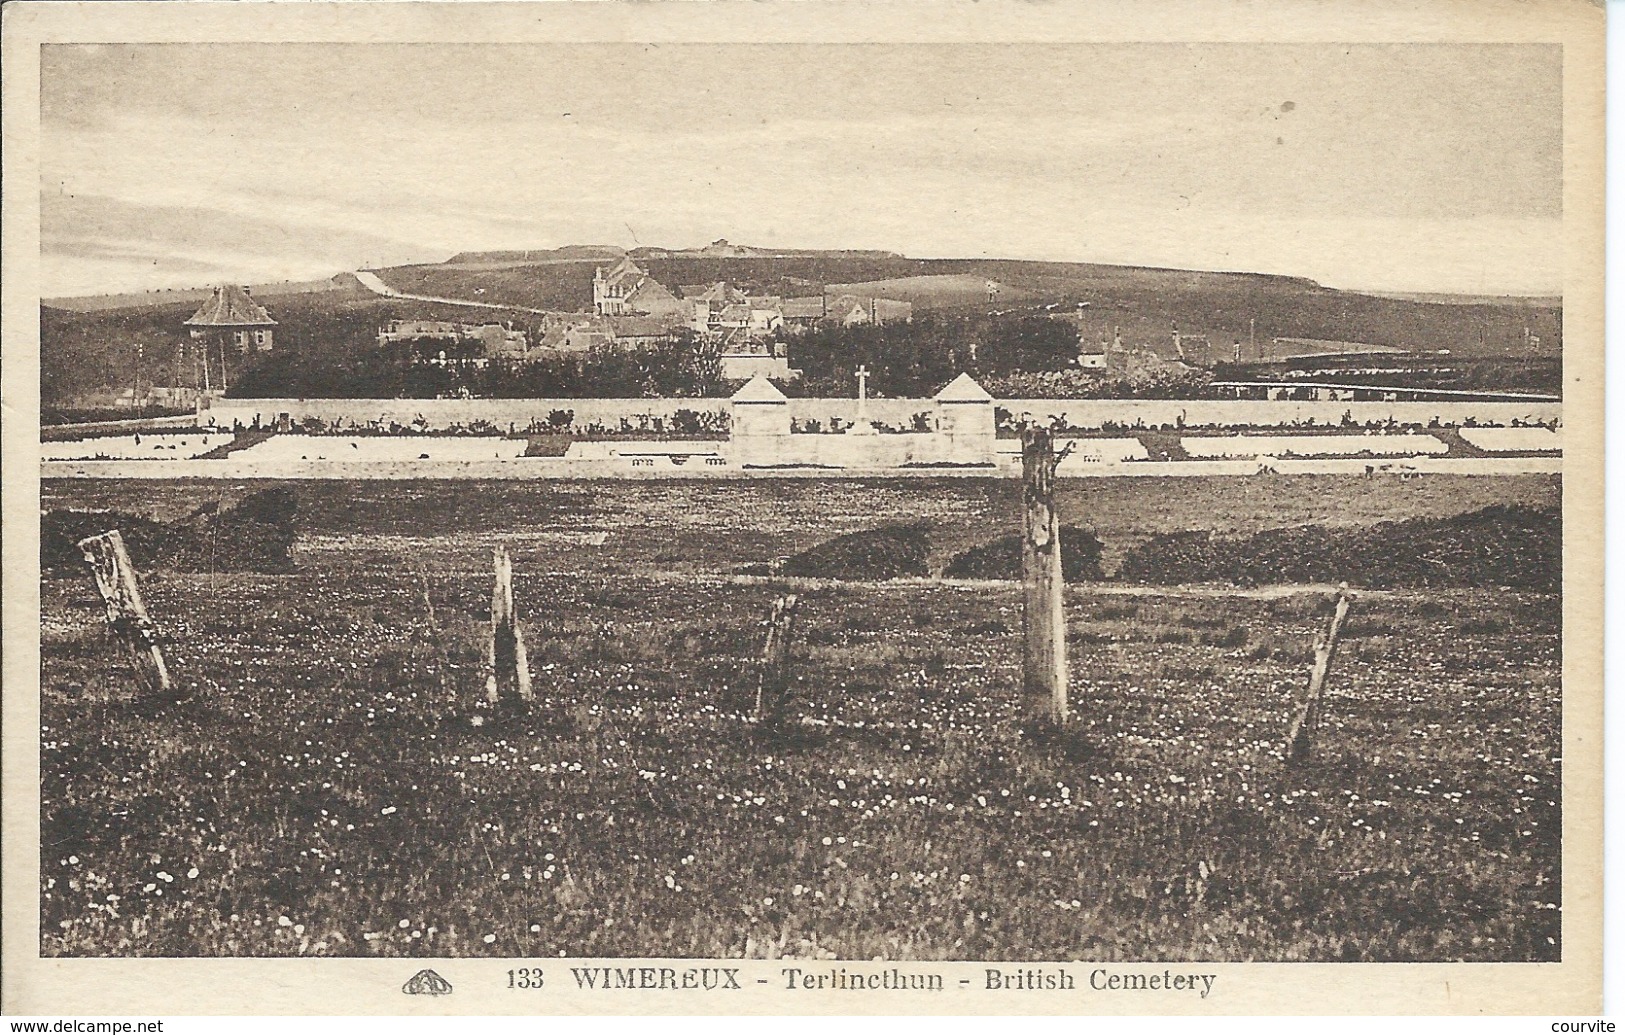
[631, 839]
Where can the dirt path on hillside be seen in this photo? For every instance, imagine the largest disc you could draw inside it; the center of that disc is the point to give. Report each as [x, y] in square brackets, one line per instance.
[372, 282]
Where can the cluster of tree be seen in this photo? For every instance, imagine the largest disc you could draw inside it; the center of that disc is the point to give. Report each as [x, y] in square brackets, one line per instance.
[918, 358]
[1167, 382]
[681, 423]
[1456, 373]
[912, 359]
[676, 368]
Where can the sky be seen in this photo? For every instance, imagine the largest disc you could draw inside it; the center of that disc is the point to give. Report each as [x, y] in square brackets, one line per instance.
[1415, 167]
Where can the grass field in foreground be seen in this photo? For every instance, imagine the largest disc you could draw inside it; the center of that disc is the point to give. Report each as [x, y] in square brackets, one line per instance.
[708, 526]
[334, 787]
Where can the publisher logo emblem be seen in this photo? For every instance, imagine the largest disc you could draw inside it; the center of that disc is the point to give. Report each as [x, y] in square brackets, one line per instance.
[427, 982]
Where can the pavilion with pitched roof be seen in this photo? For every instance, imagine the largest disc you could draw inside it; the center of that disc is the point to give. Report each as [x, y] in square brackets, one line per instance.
[232, 317]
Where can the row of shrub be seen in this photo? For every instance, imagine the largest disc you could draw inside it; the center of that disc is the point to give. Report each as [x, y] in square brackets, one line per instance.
[1505, 545]
[255, 534]
[903, 551]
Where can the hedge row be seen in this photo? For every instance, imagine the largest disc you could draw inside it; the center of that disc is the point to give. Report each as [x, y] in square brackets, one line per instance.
[1001, 559]
[1504, 545]
[1514, 546]
[255, 535]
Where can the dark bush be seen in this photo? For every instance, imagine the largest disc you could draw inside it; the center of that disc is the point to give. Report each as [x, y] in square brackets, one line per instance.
[274, 506]
[61, 530]
[1001, 559]
[895, 551]
[255, 535]
[1503, 545]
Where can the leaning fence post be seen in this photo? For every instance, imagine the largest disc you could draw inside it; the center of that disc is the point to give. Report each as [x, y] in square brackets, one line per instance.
[1043, 614]
[509, 668]
[773, 685]
[126, 612]
[1303, 728]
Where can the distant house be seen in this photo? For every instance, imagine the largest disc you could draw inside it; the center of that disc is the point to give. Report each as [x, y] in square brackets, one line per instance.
[852, 310]
[743, 366]
[576, 334]
[725, 310]
[710, 303]
[744, 356]
[626, 289]
[231, 317]
[499, 341]
[638, 330]
[803, 313]
[416, 330]
[584, 335]
[494, 339]
[721, 292]
[157, 395]
[1091, 360]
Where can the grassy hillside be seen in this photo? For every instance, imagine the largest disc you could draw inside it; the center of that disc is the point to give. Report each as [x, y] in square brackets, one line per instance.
[87, 351]
[562, 286]
[343, 283]
[937, 291]
[568, 253]
[1143, 303]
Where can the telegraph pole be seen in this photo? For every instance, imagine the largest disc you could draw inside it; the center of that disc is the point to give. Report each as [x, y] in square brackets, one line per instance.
[135, 380]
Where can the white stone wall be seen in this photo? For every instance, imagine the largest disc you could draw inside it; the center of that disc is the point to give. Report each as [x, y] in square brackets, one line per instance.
[1081, 413]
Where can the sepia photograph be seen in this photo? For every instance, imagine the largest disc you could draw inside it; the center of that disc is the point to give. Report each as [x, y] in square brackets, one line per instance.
[1093, 509]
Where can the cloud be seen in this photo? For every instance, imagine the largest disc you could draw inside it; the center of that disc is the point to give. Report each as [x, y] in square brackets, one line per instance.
[91, 244]
[1184, 156]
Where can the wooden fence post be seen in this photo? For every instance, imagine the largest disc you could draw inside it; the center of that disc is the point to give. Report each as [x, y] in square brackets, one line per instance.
[1043, 617]
[509, 667]
[126, 612]
[773, 685]
[1303, 728]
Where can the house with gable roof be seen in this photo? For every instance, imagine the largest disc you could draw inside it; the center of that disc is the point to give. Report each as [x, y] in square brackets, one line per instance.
[232, 317]
[851, 310]
[626, 289]
[726, 310]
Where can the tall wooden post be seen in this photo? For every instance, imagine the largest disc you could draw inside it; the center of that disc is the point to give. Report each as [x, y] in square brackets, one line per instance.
[1043, 618]
[1303, 728]
[509, 667]
[126, 612]
[773, 685]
